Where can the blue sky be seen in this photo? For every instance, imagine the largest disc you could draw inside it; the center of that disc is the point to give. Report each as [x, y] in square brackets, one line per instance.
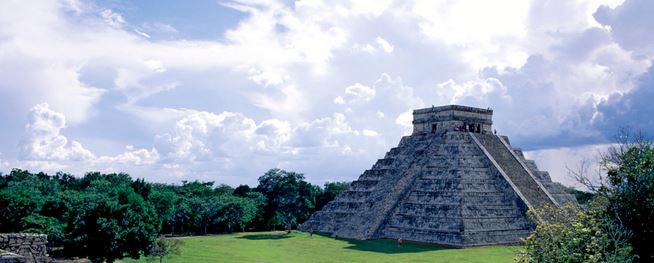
[224, 90]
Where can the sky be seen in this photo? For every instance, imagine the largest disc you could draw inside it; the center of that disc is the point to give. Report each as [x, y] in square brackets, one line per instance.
[223, 90]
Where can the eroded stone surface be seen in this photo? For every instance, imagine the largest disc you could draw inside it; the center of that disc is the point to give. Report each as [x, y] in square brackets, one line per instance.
[453, 185]
[31, 247]
[8, 257]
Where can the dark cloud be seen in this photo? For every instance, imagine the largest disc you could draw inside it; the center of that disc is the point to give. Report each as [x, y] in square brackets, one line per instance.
[632, 25]
[578, 47]
[543, 110]
[529, 113]
[633, 109]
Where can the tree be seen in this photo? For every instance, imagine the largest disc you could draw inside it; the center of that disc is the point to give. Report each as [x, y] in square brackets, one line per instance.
[629, 188]
[329, 192]
[142, 188]
[164, 200]
[583, 197]
[236, 211]
[568, 234]
[165, 247]
[242, 190]
[259, 200]
[196, 189]
[289, 197]
[16, 203]
[182, 215]
[204, 211]
[111, 225]
[53, 227]
[224, 189]
[106, 217]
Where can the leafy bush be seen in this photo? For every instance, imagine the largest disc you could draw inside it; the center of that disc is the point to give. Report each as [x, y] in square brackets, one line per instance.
[163, 248]
[568, 234]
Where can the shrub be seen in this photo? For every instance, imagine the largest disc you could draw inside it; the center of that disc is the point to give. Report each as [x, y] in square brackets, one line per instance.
[569, 234]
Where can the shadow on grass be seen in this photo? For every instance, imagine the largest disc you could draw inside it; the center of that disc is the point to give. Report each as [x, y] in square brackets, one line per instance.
[265, 236]
[387, 246]
[391, 247]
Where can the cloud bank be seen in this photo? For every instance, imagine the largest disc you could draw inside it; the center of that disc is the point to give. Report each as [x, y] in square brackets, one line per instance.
[321, 87]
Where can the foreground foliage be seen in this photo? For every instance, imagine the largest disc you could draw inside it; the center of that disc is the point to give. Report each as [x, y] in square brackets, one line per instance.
[616, 226]
[629, 190]
[301, 247]
[568, 234]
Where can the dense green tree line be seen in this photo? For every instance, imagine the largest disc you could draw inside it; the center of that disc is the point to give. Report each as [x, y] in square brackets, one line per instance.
[110, 216]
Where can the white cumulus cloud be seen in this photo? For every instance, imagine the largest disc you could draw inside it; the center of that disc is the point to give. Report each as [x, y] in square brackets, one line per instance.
[359, 92]
[301, 85]
[43, 140]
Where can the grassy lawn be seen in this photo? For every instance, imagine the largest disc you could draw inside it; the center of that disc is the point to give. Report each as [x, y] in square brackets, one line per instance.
[300, 247]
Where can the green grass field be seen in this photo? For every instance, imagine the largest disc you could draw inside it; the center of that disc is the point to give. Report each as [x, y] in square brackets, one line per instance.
[300, 247]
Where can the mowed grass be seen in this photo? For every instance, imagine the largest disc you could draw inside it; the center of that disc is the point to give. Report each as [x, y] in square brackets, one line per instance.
[301, 247]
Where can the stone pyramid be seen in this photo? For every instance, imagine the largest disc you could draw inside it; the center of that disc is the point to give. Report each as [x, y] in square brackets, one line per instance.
[452, 182]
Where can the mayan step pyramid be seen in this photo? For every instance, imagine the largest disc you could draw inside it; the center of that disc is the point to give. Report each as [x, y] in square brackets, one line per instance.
[452, 182]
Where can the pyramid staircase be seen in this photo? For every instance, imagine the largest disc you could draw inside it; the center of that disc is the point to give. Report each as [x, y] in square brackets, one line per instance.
[452, 188]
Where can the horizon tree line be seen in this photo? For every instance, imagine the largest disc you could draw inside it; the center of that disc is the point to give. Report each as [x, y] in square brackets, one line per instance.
[106, 217]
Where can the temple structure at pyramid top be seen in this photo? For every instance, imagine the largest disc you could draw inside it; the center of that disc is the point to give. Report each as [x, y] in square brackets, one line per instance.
[452, 118]
[453, 181]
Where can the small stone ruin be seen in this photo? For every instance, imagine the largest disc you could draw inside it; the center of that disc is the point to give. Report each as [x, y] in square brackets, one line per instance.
[23, 248]
[453, 182]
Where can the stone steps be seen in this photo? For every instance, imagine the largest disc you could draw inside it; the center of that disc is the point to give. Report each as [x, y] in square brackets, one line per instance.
[556, 190]
[452, 217]
[456, 194]
[434, 188]
[368, 220]
[466, 224]
[456, 185]
[372, 189]
[526, 184]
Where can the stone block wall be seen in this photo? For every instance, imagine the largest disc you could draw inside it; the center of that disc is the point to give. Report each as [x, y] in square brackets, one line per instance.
[31, 247]
[451, 117]
[8, 257]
